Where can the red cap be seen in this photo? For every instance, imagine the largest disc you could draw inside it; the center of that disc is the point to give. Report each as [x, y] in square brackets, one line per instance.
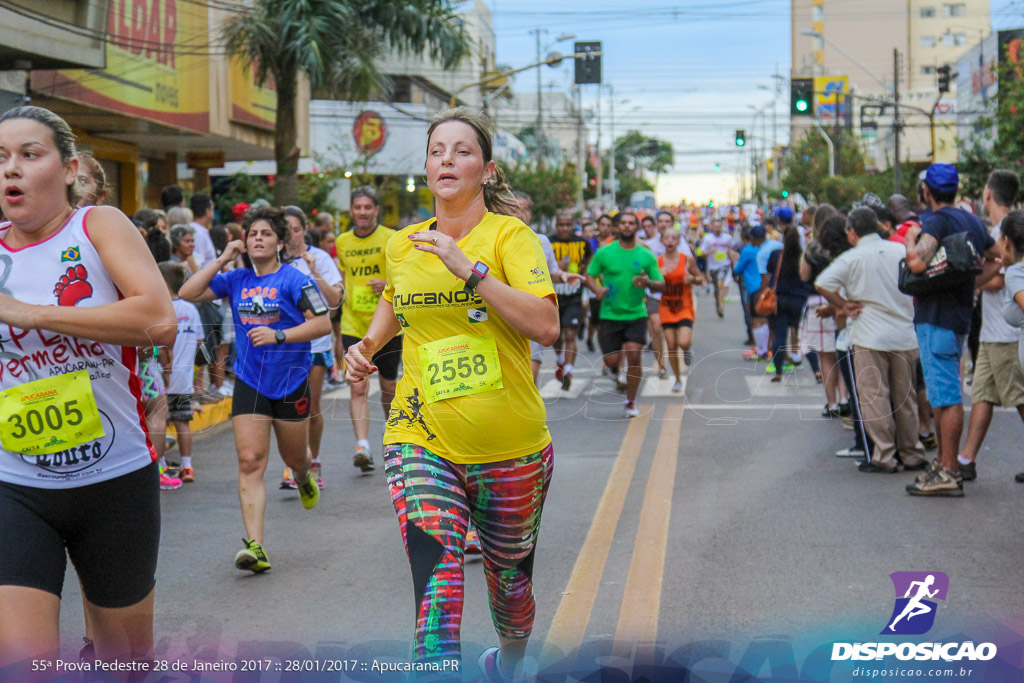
[238, 209]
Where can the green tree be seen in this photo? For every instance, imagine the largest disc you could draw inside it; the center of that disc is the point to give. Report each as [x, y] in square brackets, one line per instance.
[999, 140]
[807, 167]
[337, 45]
[241, 188]
[552, 187]
[635, 156]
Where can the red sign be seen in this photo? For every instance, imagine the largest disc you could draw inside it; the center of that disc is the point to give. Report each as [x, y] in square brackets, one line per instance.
[370, 132]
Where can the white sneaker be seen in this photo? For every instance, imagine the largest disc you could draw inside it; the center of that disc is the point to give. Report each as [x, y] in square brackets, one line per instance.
[226, 390]
[630, 409]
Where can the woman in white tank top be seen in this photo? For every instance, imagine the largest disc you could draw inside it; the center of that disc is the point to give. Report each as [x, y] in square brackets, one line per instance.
[78, 293]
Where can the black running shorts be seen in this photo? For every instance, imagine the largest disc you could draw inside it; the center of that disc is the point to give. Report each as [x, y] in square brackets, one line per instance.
[616, 333]
[293, 407]
[570, 311]
[110, 530]
[386, 360]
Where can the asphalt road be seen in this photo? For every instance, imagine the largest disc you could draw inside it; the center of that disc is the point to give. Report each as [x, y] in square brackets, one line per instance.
[717, 531]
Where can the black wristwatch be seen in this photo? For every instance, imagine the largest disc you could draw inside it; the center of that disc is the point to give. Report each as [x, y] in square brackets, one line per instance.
[478, 273]
[279, 336]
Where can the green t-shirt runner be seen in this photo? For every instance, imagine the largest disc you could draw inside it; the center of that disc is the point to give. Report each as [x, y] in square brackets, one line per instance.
[617, 267]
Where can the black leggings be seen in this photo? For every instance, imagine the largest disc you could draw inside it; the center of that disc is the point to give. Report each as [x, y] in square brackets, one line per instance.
[786, 316]
[860, 434]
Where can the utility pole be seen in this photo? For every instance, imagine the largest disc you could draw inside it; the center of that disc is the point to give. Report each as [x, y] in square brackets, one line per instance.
[838, 140]
[540, 109]
[775, 129]
[600, 163]
[581, 164]
[611, 156]
[897, 179]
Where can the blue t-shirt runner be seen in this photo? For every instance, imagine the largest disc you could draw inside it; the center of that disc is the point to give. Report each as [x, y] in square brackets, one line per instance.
[274, 300]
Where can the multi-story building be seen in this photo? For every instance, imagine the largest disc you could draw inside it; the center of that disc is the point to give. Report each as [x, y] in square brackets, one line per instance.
[837, 38]
[563, 130]
[159, 103]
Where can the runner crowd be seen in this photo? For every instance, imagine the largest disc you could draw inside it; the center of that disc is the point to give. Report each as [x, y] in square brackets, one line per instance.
[273, 309]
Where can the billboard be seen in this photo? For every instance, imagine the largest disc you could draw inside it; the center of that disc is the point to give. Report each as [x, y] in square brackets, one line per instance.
[158, 65]
[825, 90]
[251, 103]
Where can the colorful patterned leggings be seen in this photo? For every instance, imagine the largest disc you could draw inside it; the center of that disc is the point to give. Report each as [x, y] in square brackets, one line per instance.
[435, 500]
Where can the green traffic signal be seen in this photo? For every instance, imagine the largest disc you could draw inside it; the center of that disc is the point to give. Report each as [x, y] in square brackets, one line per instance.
[785, 194]
[741, 138]
[801, 93]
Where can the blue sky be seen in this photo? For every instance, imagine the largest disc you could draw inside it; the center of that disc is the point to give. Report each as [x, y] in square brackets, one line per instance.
[690, 70]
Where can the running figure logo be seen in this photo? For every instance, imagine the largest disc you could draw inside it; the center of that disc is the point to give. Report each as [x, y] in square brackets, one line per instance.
[914, 612]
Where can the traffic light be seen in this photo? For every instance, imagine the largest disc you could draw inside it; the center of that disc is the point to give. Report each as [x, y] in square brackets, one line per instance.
[785, 194]
[717, 168]
[588, 69]
[801, 97]
[741, 138]
[943, 72]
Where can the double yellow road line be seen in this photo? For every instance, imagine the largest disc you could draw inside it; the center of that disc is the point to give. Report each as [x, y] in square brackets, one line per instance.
[638, 615]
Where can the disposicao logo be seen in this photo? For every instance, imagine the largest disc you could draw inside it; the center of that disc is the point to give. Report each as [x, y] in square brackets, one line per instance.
[71, 254]
[916, 593]
[914, 614]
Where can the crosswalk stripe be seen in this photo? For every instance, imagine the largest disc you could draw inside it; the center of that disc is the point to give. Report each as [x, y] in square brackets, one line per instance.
[573, 613]
[552, 390]
[791, 386]
[654, 387]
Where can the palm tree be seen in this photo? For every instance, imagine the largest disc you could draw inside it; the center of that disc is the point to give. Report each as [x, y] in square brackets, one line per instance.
[337, 45]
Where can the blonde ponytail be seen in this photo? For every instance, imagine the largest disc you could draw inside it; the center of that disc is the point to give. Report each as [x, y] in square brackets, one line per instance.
[498, 195]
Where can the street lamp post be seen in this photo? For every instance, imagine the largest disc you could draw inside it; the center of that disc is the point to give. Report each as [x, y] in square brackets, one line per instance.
[540, 108]
[611, 169]
[775, 130]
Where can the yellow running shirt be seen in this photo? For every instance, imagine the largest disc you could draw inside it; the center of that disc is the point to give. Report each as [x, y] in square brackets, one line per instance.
[360, 260]
[467, 393]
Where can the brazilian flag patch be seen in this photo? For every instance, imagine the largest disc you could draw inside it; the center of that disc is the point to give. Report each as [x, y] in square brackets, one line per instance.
[71, 254]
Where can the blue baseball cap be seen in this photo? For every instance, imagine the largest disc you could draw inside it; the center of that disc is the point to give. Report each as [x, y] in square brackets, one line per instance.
[784, 214]
[942, 177]
[757, 231]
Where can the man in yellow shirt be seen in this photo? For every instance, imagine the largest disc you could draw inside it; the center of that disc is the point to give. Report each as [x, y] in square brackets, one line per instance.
[361, 259]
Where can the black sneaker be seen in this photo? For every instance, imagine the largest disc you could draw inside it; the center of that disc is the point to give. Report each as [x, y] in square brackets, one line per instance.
[590, 345]
[929, 441]
[969, 471]
[844, 409]
[871, 467]
[1019, 477]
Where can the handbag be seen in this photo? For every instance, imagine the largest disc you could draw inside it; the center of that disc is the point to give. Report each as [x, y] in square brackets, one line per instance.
[956, 262]
[767, 299]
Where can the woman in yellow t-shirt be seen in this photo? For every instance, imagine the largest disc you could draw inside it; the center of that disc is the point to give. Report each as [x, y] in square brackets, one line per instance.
[466, 439]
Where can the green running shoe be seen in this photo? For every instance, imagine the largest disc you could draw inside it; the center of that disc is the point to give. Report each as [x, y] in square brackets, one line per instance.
[309, 492]
[252, 557]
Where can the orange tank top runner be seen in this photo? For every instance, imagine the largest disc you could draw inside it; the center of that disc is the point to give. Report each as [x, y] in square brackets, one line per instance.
[677, 299]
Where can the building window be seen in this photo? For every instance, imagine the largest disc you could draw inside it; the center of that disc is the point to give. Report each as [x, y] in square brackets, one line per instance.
[957, 10]
[954, 39]
[928, 41]
[927, 70]
[818, 13]
[927, 12]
